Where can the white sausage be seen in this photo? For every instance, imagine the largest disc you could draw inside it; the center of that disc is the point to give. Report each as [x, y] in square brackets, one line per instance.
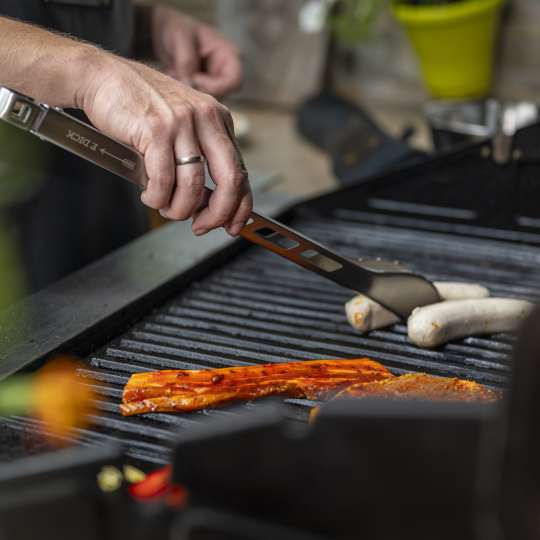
[365, 314]
[430, 326]
[453, 290]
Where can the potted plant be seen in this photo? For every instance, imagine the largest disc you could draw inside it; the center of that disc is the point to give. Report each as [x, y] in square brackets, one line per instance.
[454, 39]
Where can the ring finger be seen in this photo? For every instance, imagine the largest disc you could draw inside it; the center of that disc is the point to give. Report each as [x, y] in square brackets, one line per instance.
[190, 179]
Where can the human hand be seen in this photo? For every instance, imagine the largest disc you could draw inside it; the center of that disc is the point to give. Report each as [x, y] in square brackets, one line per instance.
[195, 53]
[166, 120]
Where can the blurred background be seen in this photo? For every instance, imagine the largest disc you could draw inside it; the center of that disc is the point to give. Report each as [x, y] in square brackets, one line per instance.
[414, 69]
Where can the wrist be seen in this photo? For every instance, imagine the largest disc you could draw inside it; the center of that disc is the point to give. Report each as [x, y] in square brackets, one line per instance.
[91, 64]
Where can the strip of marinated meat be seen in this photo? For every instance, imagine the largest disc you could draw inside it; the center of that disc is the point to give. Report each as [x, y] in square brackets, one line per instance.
[190, 390]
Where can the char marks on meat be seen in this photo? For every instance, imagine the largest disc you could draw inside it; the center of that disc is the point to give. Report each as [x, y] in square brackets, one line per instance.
[191, 390]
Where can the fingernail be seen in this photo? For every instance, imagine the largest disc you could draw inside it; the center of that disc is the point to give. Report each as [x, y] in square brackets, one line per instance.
[199, 232]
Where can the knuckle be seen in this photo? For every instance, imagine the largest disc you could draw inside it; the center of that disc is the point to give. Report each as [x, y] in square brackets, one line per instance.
[184, 113]
[161, 127]
[209, 107]
[234, 181]
[225, 111]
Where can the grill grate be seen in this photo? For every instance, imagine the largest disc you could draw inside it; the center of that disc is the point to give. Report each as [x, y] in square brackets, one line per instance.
[259, 308]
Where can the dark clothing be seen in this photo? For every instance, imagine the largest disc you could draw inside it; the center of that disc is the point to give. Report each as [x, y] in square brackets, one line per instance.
[73, 219]
[67, 212]
[109, 23]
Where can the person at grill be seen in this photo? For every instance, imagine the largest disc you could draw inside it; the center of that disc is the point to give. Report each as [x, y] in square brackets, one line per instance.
[68, 212]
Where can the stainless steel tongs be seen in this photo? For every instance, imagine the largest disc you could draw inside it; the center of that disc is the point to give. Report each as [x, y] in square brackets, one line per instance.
[386, 282]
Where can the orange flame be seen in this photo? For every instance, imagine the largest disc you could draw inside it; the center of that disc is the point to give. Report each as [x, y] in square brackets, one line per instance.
[61, 400]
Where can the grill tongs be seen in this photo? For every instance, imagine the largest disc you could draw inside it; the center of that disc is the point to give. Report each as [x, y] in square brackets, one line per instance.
[386, 282]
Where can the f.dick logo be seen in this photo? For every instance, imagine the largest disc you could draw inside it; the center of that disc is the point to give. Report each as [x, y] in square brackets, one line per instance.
[83, 141]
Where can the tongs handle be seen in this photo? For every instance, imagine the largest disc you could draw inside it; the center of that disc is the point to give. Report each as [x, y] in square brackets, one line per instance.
[56, 126]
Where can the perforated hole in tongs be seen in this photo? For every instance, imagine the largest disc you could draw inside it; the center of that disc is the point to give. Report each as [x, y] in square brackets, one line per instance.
[277, 238]
[321, 261]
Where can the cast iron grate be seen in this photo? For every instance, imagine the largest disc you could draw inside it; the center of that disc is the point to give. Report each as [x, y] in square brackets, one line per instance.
[259, 308]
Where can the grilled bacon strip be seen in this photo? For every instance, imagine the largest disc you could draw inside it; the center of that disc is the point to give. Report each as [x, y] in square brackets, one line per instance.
[421, 386]
[191, 390]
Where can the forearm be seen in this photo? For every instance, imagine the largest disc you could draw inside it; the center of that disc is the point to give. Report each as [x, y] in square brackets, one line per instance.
[142, 108]
[47, 66]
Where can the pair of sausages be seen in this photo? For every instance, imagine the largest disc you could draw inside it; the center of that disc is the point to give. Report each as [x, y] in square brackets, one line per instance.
[466, 310]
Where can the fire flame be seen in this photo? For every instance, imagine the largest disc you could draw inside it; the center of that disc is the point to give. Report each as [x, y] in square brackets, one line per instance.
[61, 400]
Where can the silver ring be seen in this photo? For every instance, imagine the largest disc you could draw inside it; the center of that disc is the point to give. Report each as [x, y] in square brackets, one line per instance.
[188, 160]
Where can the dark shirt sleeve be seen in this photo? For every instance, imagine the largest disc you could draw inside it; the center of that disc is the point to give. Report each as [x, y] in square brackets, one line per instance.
[143, 45]
[107, 23]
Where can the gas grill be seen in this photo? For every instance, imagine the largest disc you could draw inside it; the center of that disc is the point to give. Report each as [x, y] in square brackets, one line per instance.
[158, 305]
[261, 309]
[255, 307]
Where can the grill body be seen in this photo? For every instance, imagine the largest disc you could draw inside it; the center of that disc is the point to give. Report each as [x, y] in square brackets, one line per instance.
[250, 306]
[260, 309]
[456, 217]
